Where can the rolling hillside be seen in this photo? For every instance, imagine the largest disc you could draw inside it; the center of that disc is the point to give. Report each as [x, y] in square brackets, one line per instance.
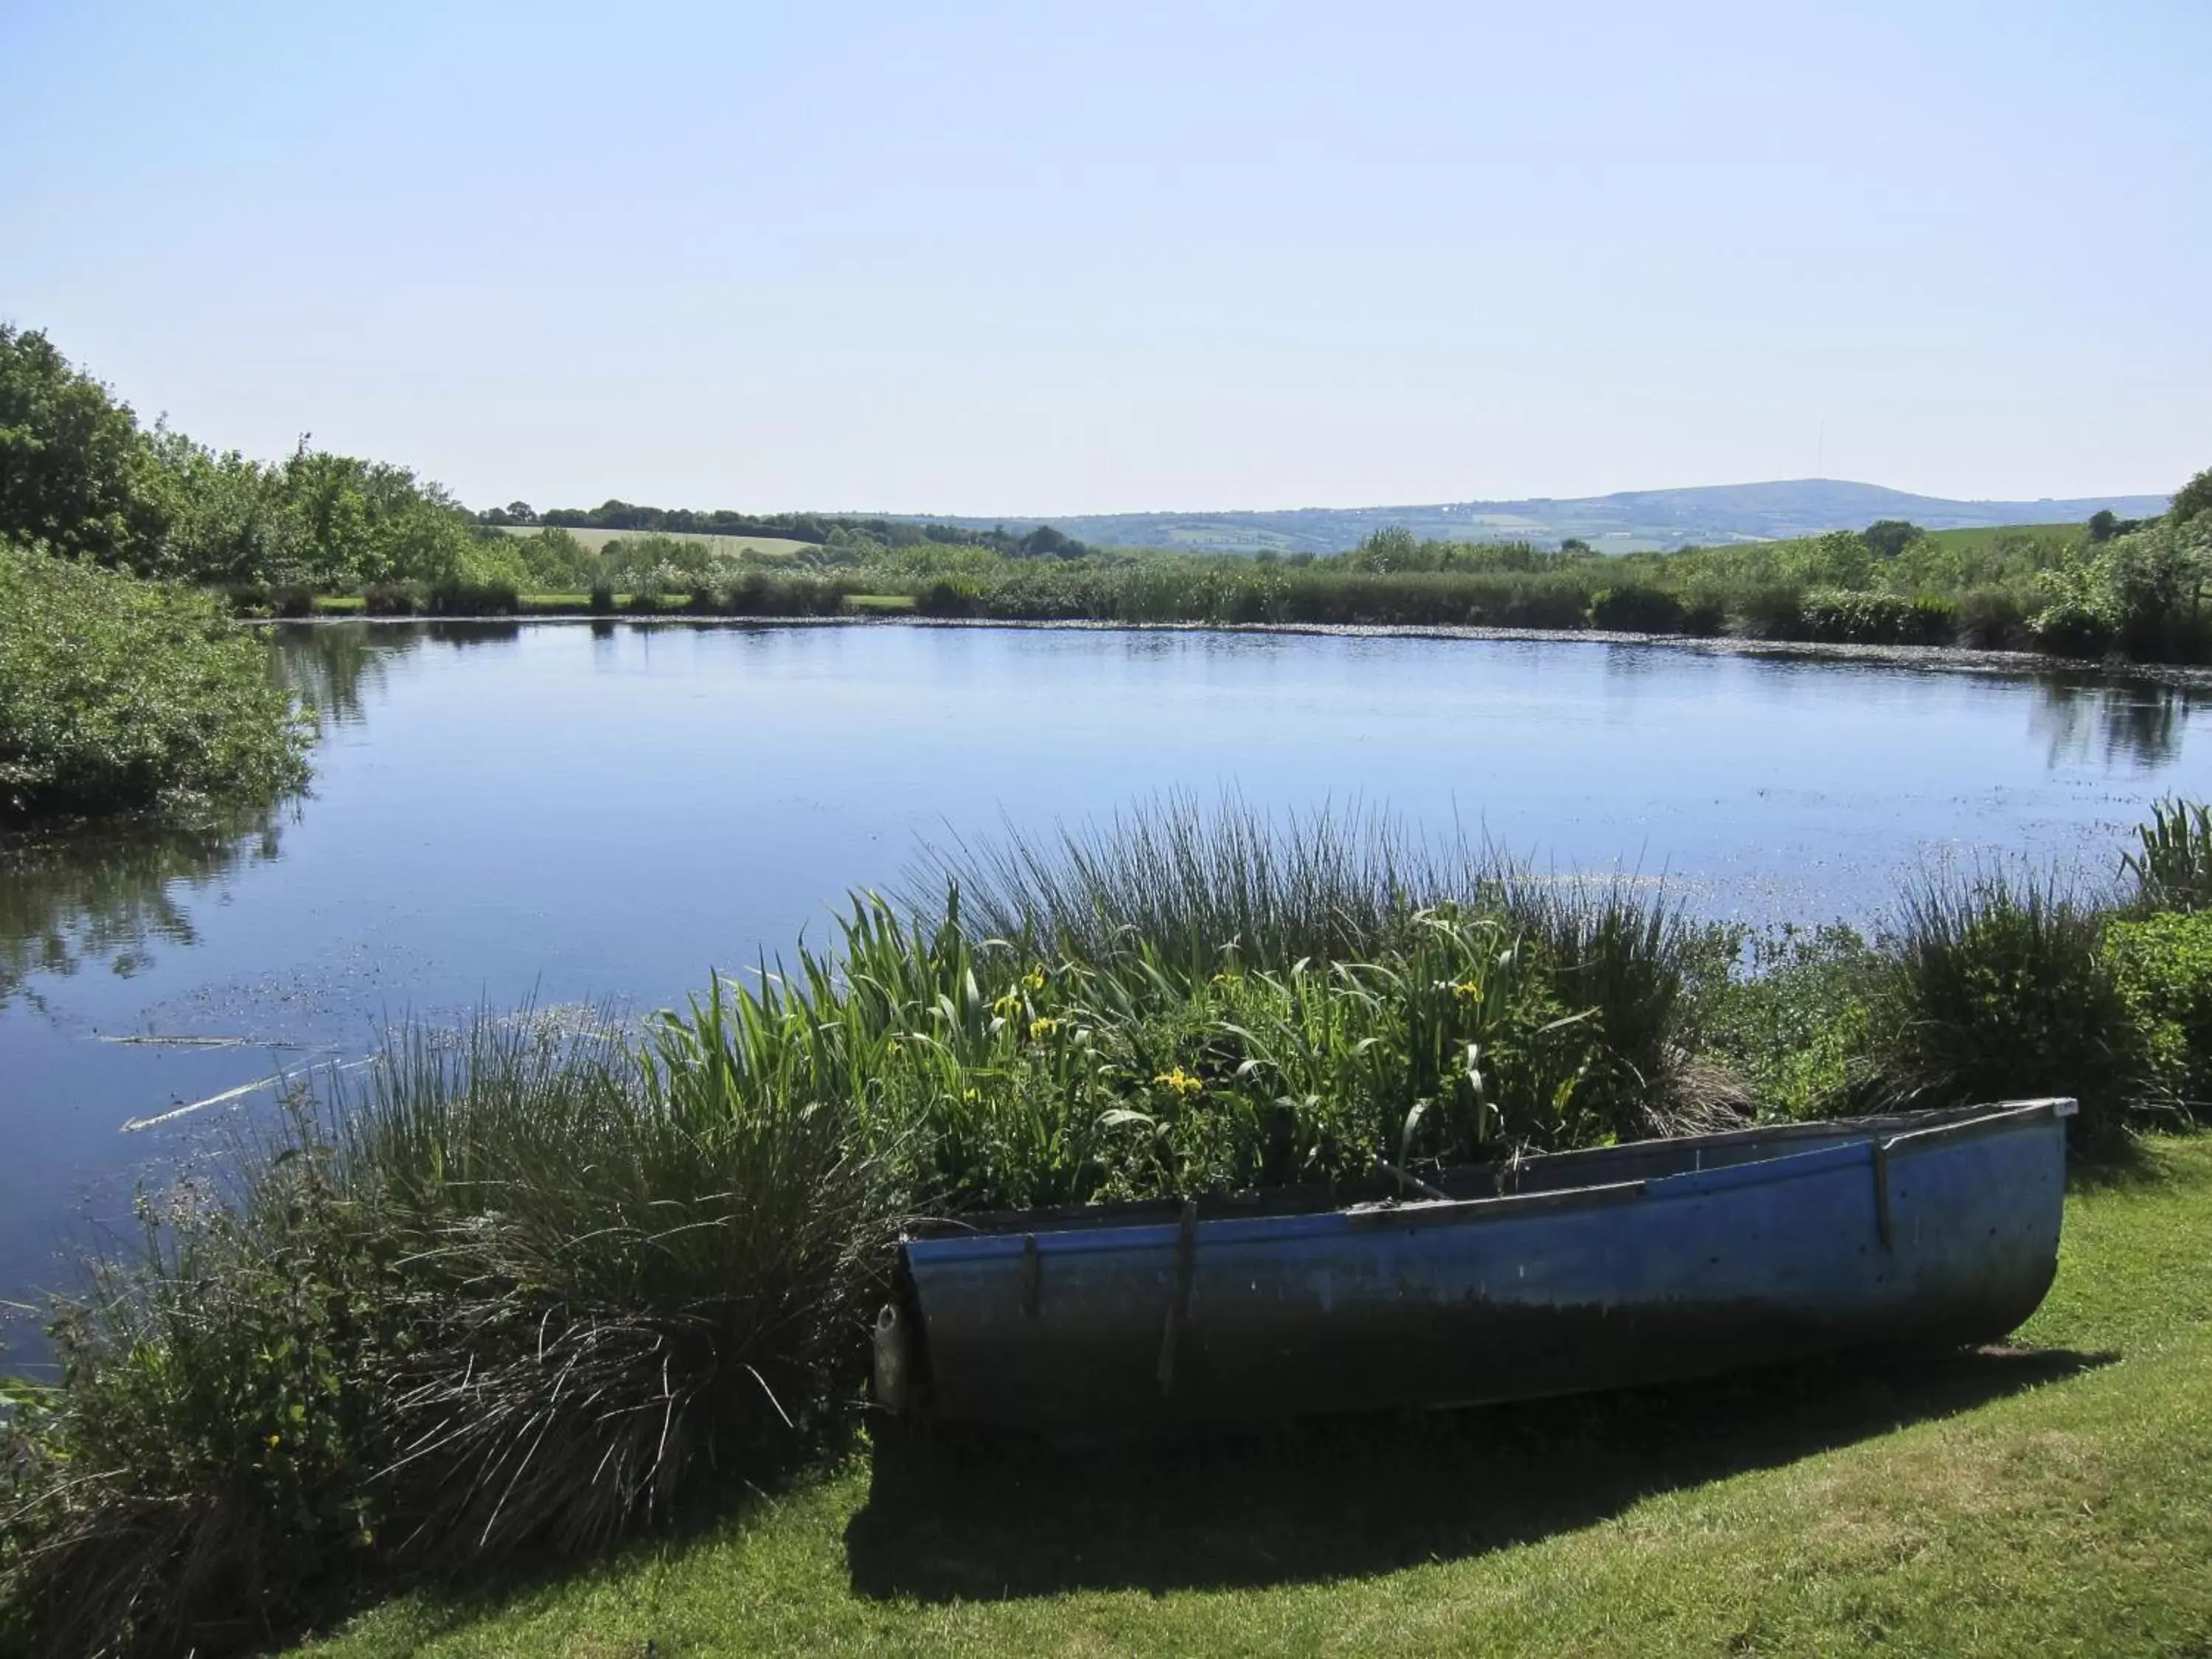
[1627, 521]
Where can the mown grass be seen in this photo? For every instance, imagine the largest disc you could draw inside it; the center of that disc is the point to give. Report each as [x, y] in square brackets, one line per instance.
[2056, 1498]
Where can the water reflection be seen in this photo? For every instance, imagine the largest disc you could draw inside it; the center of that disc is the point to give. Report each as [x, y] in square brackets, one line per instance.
[333, 668]
[114, 897]
[2082, 716]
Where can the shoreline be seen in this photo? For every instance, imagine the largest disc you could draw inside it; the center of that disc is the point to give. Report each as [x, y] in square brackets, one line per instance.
[1937, 658]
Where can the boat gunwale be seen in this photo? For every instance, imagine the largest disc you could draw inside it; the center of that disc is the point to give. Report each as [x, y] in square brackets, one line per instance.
[1907, 1133]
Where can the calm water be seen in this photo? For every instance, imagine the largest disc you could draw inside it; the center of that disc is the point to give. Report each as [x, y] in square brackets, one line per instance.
[575, 813]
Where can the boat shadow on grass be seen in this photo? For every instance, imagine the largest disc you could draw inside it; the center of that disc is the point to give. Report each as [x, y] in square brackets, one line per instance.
[975, 1515]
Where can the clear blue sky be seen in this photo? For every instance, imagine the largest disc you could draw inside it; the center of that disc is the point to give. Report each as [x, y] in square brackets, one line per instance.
[1026, 259]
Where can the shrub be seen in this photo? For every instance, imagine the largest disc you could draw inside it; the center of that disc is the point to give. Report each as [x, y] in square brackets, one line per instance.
[291, 601]
[466, 596]
[1860, 617]
[2070, 627]
[1633, 608]
[392, 599]
[2164, 966]
[1793, 1024]
[1990, 619]
[1772, 612]
[2000, 988]
[1705, 610]
[602, 598]
[120, 695]
[781, 593]
[949, 596]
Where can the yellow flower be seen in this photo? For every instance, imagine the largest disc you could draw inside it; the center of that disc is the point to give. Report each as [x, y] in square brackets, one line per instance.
[1179, 1083]
[971, 1094]
[1009, 1004]
[1041, 1028]
[1034, 979]
[275, 1441]
[1468, 990]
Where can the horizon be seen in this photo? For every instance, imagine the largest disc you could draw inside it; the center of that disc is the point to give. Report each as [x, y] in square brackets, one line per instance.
[1084, 264]
[1462, 500]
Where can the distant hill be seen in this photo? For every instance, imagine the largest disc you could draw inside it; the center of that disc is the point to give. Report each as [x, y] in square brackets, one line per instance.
[1628, 521]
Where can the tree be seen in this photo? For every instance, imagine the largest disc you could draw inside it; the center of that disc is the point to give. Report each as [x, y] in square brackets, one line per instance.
[1890, 536]
[2104, 524]
[76, 472]
[1046, 542]
[1387, 549]
[2192, 500]
[1574, 544]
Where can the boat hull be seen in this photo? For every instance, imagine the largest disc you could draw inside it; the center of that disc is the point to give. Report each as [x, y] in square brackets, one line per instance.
[1586, 1271]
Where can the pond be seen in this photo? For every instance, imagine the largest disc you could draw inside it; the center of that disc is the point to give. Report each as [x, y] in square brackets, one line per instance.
[572, 812]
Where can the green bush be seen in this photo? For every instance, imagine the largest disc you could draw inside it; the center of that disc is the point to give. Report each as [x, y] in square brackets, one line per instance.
[2164, 967]
[1772, 612]
[780, 594]
[1990, 619]
[121, 696]
[2072, 627]
[2000, 988]
[1633, 608]
[462, 596]
[949, 596]
[1859, 617]
[392, 599]
[1793, 1025]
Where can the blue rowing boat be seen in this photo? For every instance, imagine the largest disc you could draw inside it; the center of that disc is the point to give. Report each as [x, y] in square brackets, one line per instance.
[1552, 1274]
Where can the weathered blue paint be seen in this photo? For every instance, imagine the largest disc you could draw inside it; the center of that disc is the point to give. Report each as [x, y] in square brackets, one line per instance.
[1577, 1271]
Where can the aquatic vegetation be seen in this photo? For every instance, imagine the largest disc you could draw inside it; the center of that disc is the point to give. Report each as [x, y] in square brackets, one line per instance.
[544, 1286]
[2172, 863]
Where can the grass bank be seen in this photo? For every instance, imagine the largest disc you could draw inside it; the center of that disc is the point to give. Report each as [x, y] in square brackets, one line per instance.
[560, 1285]
[2052, 1498]
[118, 696]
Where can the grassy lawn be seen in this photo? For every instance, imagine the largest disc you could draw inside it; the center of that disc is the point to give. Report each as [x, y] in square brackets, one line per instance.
[2056, 1497]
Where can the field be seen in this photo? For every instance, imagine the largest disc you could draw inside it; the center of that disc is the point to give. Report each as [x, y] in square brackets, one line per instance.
[2055, 1498]
[722, 546]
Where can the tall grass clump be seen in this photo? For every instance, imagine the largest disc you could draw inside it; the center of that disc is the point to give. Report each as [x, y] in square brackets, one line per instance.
[1192, 882]
[2170, 865]
[532, 1293]
[1999, 986]
[1233, 891]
